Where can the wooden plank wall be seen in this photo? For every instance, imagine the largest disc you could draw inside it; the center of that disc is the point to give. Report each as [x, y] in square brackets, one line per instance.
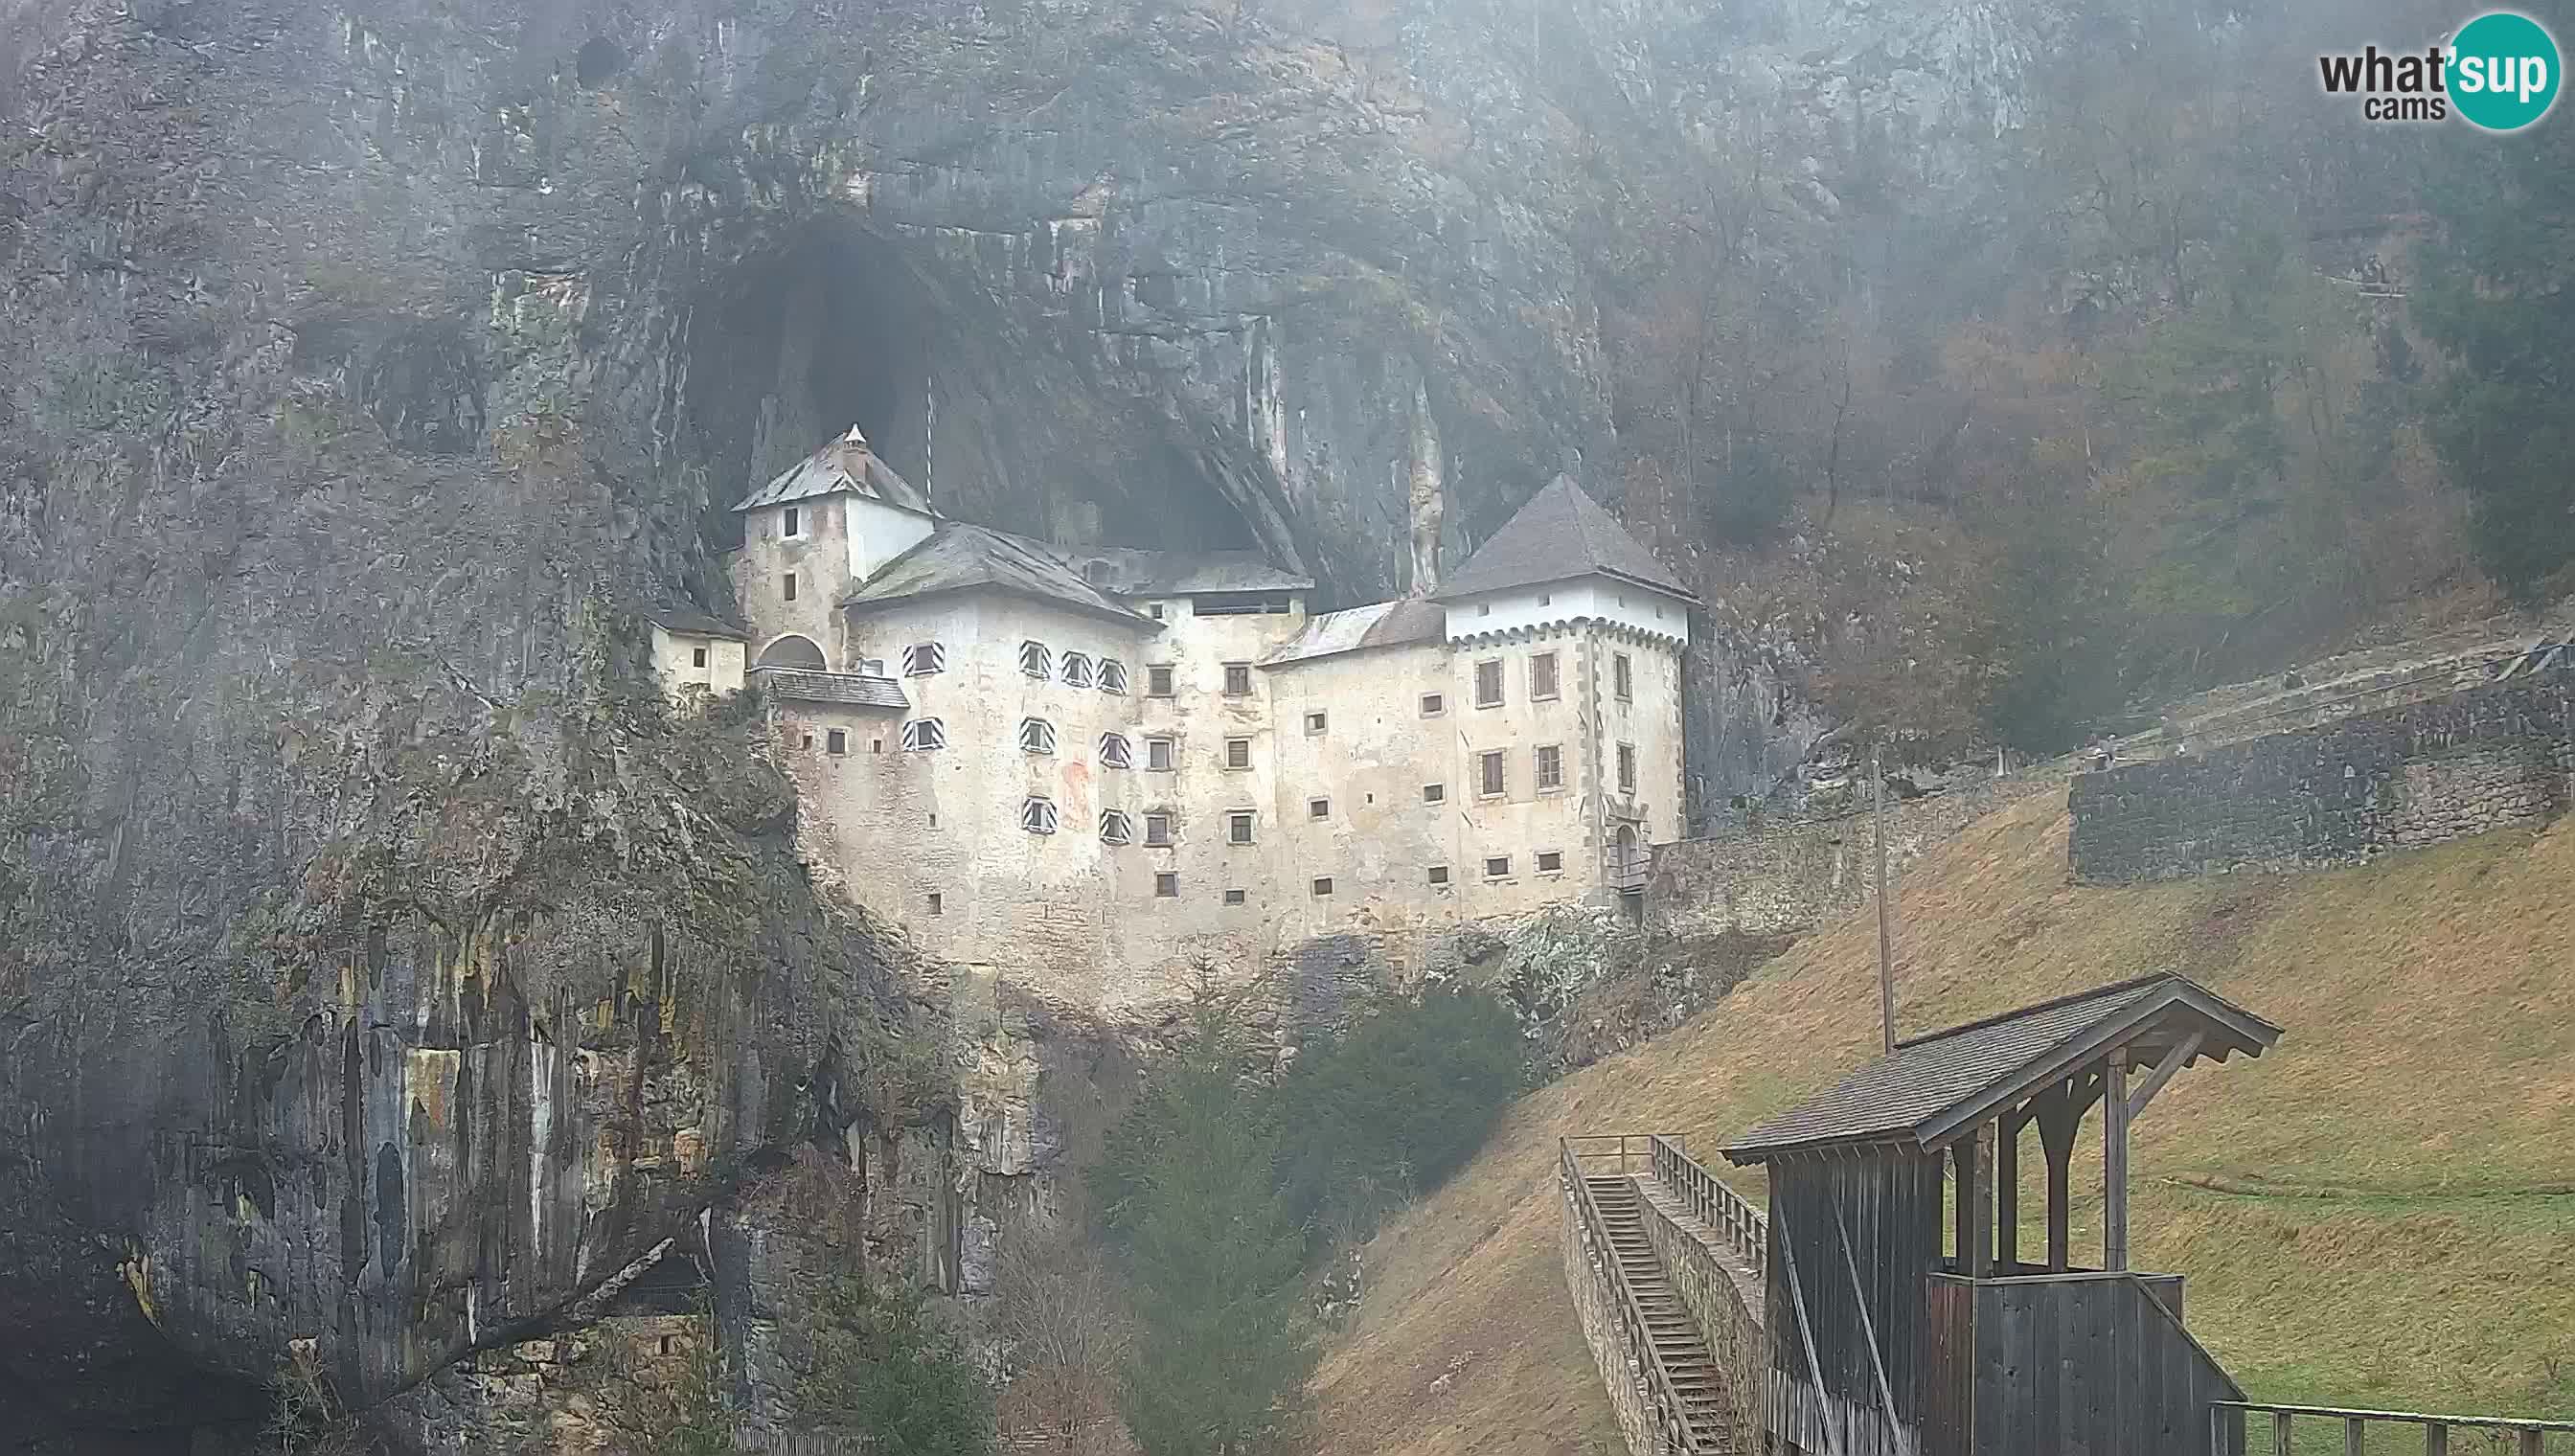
[1888, 1207]
[2098, 1365]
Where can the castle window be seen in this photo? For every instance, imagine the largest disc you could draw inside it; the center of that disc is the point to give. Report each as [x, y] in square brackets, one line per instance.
[1238, 680]
[696, 657]
[1237, 753]
[1095, 573]
[875, 746]
[1622, 677]
[1157, 830]
[1551, 766]
[836, 742]
[1038, 815]
[1159, 754]
[1323, 886]
[1438, 875]
[1434, 794]
[809, 742]
[1037, 735]
[923, 734]
[1114, 752]
[1238, 827]
[1433, 704]
[1313, 722]
[1628, 769]
[1318, 808]
[1116, 828]
[1498, 866]
[1488, 683]
[1158, 680]
[1235, 896]
[871, 666]
[1113, 676]
[1076, 671]
[791, 586]
[1036, 661]
[923, 659]
[1154, 610]
[1166, 886]
[1551, 861]
[1546, 599]
[937, 906]
[792, 523]
[1543, 676]
[1489, 780]
[1483, 608]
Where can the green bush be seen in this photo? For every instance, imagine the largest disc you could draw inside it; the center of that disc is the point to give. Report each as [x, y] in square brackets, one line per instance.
[887, 1378]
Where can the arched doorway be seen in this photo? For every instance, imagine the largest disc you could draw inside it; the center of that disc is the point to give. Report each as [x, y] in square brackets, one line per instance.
[792, 650]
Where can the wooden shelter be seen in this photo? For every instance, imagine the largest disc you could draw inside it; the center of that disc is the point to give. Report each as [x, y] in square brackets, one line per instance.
[1885, 1341]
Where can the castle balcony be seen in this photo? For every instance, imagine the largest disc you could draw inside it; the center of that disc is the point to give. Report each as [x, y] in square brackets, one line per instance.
[844, 689]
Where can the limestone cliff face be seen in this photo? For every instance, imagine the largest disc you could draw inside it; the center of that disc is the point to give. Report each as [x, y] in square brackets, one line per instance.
[377, 968]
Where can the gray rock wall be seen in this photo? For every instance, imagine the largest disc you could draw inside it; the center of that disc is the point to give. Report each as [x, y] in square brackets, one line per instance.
[2485, 759]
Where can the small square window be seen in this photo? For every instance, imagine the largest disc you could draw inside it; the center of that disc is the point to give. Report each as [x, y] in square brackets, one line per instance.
[1037, 660]
[835, 741]
[1076, 670]
[1433, 704]
[875, 746]
[1546, 599]
[1158, 680]
[808, 743]
[1155, 609]
[1235, 896]
[1543, 676]
[1157, 831]
[923, 734]
[1313, 722]
[1490, 782]
[1238, 827]
[1238, 680]
[1037, 735]
[1323, 886]
[1237, 753]
[1114, 827]
[791, 586]
[1498, 868]
[1159, 754]
[1113, 676]
[923, 659]
[1483, 608]
[937, 906]
[1167, 885]
[696, 657]
[795, 522]
[1038, 815]
[1434, 792]
[934, 821]
[1115, 751]
[1318, 808]
[1622, 677]
[1551, 861]
[1438, 875]
[1488, 683]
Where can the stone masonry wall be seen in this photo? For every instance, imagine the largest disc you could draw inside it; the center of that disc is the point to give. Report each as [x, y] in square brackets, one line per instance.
[1594, 1306]
[1724, 1302]
[2481, 760]
[1788, 879]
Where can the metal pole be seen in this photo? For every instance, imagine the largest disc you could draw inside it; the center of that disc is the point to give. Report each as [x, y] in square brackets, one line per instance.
[1885, 937]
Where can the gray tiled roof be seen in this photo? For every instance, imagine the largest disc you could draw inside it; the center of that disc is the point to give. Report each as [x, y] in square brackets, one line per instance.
[846, 464]
[1910, 1095]
[1562, 532]
[1380, 625]
[671, 617]
[848, 689]
[960, 557]
[1131, 572]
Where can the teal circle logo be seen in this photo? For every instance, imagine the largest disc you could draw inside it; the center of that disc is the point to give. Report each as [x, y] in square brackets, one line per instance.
[2503, 71]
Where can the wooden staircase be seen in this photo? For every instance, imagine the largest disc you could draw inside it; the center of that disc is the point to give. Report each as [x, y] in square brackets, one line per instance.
[1678, 1345]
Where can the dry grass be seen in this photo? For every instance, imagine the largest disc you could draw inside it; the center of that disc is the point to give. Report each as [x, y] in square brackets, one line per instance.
[2389, 1232]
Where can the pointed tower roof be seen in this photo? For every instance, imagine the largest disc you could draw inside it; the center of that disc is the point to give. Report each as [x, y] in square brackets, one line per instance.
[845, 465]
[1560, 534]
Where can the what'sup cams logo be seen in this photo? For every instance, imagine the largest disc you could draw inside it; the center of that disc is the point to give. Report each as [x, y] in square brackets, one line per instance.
[2499, 74]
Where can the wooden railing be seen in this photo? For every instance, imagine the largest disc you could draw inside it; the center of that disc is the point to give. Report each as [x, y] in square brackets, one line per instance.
[1746, 1228]
[1613, 1151]
[2231, 1423]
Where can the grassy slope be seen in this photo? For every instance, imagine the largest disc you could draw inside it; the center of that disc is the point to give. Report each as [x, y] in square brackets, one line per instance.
[2426, 1083]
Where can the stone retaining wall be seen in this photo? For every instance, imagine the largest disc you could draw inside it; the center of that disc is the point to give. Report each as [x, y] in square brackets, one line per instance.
[1594, 1305]
[2485, 759]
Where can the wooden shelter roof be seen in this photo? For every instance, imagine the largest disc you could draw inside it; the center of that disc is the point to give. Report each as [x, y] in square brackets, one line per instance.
[1935, 1088]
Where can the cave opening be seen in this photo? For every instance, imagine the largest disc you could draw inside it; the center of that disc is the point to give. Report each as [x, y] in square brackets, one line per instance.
[964, 394]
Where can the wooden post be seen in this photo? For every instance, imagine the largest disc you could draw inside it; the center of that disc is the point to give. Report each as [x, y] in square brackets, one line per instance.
[2059, 1113]
[1885, 937]
[1975, 1203]
[2114, 1162]
[2007, 1191]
